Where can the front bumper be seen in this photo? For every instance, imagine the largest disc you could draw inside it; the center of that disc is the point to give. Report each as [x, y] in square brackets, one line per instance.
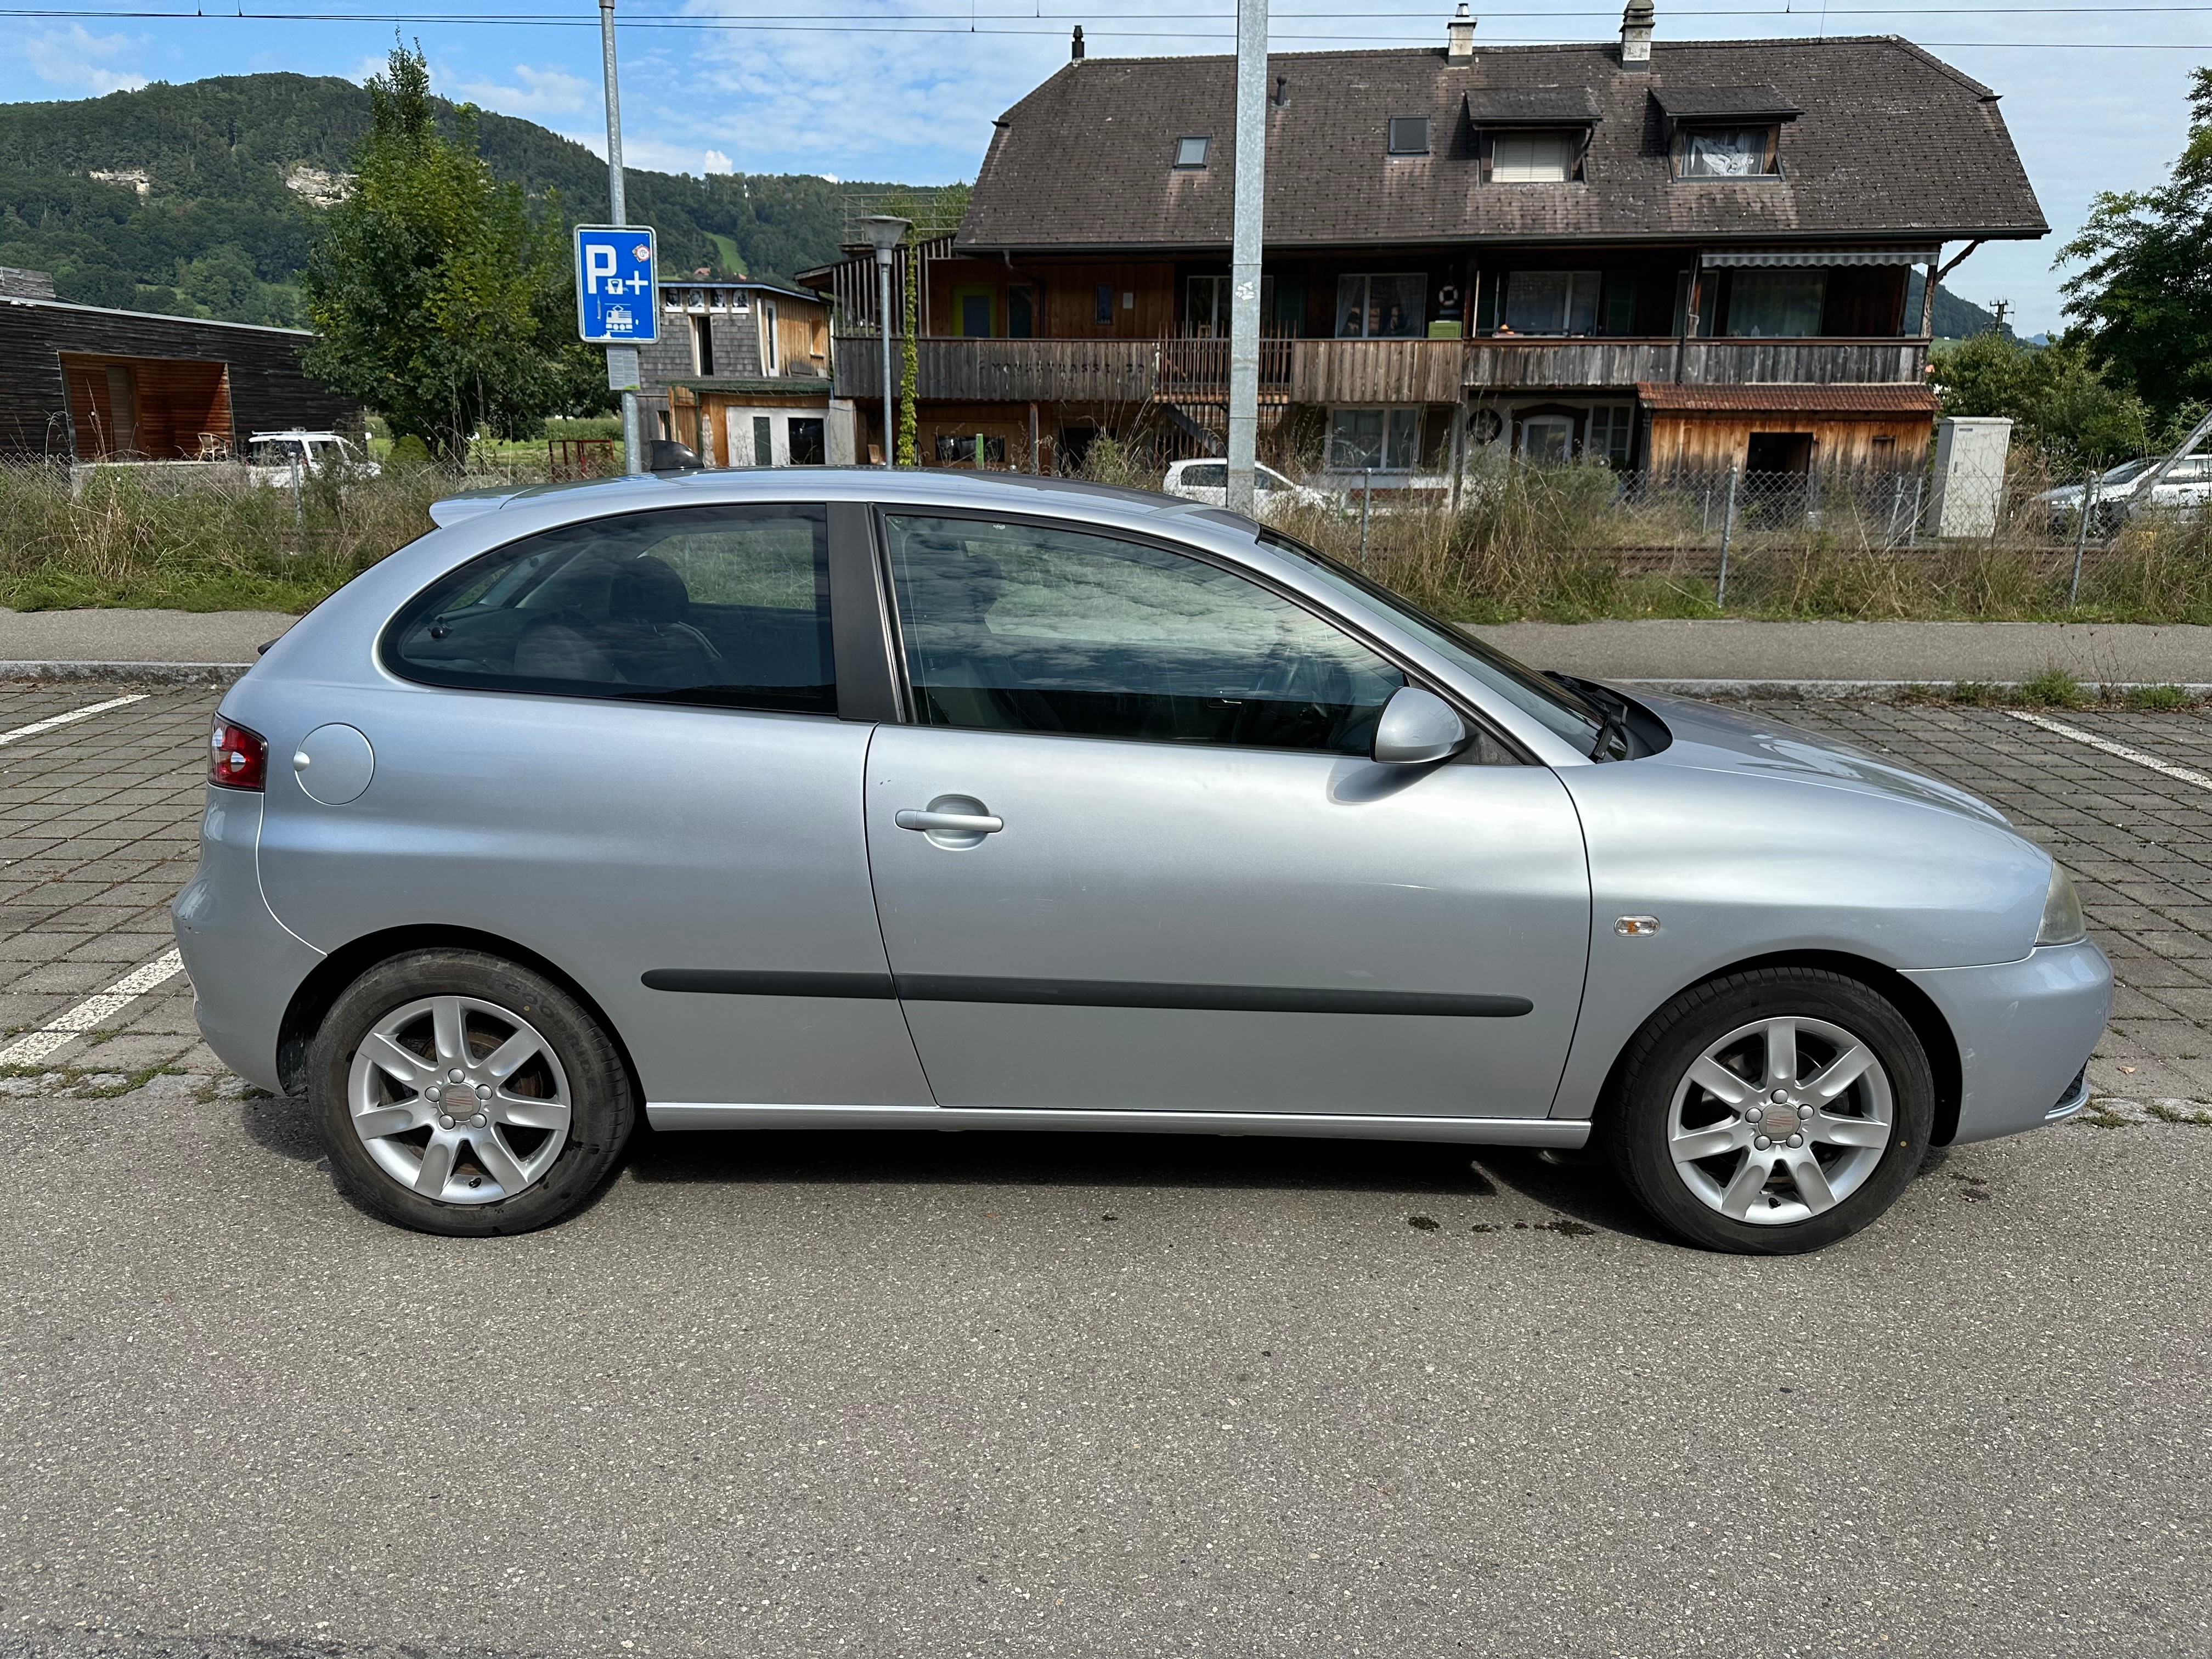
[2025, 1029]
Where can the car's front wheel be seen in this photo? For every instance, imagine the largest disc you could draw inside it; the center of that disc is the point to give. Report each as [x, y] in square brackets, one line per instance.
[460, 1093]
[1771, 1111]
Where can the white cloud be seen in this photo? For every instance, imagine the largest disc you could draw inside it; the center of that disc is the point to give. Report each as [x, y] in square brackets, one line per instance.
[83, 62]
[716, 162]
[545, 91]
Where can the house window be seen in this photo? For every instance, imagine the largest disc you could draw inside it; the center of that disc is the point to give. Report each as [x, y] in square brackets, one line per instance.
[771, 357]
[1547, 440]
[962, 449]
[1190, 153]
[702, 346]
[1534, 158]
[1206, 306]
[1550, 302]
[1386, 440]
[1611, 433]
[1021, 313]
[763, 440]
[1409, 135]
[1772, 305]
[1381, 307]
[809, 444]
[1726, 152]
[1102, 305]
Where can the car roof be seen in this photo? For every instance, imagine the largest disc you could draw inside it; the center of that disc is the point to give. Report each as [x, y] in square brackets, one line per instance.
[1009, 491]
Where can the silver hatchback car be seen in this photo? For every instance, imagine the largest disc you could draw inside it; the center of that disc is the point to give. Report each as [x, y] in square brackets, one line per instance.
[872, 799]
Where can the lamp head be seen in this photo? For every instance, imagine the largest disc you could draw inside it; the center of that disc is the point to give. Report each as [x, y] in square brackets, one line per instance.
[884, 233]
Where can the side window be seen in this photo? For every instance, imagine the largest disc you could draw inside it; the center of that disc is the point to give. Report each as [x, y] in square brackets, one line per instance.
[1016, 628]
[721, 605]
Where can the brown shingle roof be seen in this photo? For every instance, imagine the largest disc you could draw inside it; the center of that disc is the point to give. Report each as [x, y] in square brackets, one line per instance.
[1810, 399]
[1891, 142]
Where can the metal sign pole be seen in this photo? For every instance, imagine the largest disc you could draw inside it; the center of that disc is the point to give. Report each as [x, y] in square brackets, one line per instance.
[1246, 229]
[622, 361]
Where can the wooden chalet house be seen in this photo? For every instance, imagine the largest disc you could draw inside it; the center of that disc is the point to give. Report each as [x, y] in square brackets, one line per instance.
[1663, 255]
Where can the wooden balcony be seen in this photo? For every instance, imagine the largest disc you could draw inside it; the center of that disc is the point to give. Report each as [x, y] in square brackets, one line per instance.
[1326, 372]
[1531, 363]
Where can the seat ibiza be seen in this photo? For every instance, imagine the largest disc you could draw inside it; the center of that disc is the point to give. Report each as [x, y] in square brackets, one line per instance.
[867, 799]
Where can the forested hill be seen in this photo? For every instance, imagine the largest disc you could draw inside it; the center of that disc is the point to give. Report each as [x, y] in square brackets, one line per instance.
[208, 204]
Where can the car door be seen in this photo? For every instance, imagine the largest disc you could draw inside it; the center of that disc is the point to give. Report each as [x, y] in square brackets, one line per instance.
[1130, 851]
[628, 747]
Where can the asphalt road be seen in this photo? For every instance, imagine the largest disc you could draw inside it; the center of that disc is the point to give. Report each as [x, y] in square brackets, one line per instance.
[984, 1395]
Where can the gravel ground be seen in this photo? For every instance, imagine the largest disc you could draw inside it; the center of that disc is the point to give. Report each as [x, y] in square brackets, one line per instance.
[810, 1394]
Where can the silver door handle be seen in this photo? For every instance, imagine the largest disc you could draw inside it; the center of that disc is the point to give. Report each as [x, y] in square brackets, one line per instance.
[951, 824]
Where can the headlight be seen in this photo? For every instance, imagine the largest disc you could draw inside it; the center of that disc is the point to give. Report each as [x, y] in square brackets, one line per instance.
[2062, 911]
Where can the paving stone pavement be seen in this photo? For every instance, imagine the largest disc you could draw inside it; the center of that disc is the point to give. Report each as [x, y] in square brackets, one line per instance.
[2138, 844]
[98, 820]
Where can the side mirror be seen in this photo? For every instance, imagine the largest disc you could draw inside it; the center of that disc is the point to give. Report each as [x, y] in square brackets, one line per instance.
[1417, 728]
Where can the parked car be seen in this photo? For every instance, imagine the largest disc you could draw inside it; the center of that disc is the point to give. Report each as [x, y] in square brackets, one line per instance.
[866, 799]
[2187, 487]
[271, 457]
[1208, 481]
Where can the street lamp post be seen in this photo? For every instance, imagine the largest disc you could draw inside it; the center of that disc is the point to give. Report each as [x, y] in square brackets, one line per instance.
[885, 232]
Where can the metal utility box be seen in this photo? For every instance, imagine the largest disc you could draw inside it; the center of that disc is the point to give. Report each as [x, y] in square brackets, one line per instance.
[1968, 484]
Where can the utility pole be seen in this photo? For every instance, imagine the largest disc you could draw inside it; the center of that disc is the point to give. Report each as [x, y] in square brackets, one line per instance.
[1247, 228]
[622, 361]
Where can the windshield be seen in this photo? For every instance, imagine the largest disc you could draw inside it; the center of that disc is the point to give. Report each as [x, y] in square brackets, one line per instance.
[2126, 471]
[1564, 711]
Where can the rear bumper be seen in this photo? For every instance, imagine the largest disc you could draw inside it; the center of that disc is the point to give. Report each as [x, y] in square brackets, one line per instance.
[2026, 1031]
[244, 964]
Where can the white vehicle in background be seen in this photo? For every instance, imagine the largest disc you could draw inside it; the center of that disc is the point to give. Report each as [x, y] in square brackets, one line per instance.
[2186, 487]
[271, 457]
[1208, 481]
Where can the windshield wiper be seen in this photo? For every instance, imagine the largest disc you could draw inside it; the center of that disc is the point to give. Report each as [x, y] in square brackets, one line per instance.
[1616, 739]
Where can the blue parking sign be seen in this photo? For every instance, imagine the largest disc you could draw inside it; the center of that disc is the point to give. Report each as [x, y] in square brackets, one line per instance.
[614, 286]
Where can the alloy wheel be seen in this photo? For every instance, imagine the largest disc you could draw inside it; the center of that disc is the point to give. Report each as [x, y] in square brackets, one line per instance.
[1780, 1120]
[458, 1099]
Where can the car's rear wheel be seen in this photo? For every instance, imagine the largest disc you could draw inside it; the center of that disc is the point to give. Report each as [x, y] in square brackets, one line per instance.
[1771, 1111]
[459, 1093]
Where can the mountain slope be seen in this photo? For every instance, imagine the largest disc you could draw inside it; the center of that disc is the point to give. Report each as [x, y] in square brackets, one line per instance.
[196, 216]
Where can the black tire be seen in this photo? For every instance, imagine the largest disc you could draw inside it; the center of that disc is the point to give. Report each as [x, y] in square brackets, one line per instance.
[1637, 1118]
[601, 1106]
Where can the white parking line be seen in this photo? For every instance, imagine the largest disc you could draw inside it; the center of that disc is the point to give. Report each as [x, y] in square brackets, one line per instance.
[2182, 774]
[74, 714]
[34, 1046]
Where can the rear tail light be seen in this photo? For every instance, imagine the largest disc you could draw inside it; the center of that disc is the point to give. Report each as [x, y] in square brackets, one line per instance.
[237, 758]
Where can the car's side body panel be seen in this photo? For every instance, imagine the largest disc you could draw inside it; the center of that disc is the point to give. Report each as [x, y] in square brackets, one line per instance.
[1181, 877]
[1736, 865]
[613, 839]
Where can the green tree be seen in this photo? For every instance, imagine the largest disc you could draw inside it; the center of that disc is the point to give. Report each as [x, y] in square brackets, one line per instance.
[2058, 398]
[2143, 295]
[437, 299]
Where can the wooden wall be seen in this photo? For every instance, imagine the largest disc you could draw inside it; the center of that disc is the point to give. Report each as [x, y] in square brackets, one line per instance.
[1716, 442]
[266, 389]
[146, 408]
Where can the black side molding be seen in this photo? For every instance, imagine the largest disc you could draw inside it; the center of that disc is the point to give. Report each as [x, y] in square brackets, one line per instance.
[873, 987]
[1088, 993]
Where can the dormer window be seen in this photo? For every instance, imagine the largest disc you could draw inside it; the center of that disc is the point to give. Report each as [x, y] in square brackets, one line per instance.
[1190, 153]
[1534, 158]
[1531, 135]
[1409, 135]
[1746, 152]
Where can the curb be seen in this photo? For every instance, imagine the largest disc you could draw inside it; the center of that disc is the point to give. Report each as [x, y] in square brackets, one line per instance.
[140, 673]
[1876, 689]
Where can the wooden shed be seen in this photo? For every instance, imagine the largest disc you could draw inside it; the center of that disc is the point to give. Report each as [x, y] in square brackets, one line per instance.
[1786, 428]
[83, 383]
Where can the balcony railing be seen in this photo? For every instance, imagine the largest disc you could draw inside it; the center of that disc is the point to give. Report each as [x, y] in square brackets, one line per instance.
[1306, 371]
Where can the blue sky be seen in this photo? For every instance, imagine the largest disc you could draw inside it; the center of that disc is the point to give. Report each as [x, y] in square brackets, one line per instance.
[2093, 89]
